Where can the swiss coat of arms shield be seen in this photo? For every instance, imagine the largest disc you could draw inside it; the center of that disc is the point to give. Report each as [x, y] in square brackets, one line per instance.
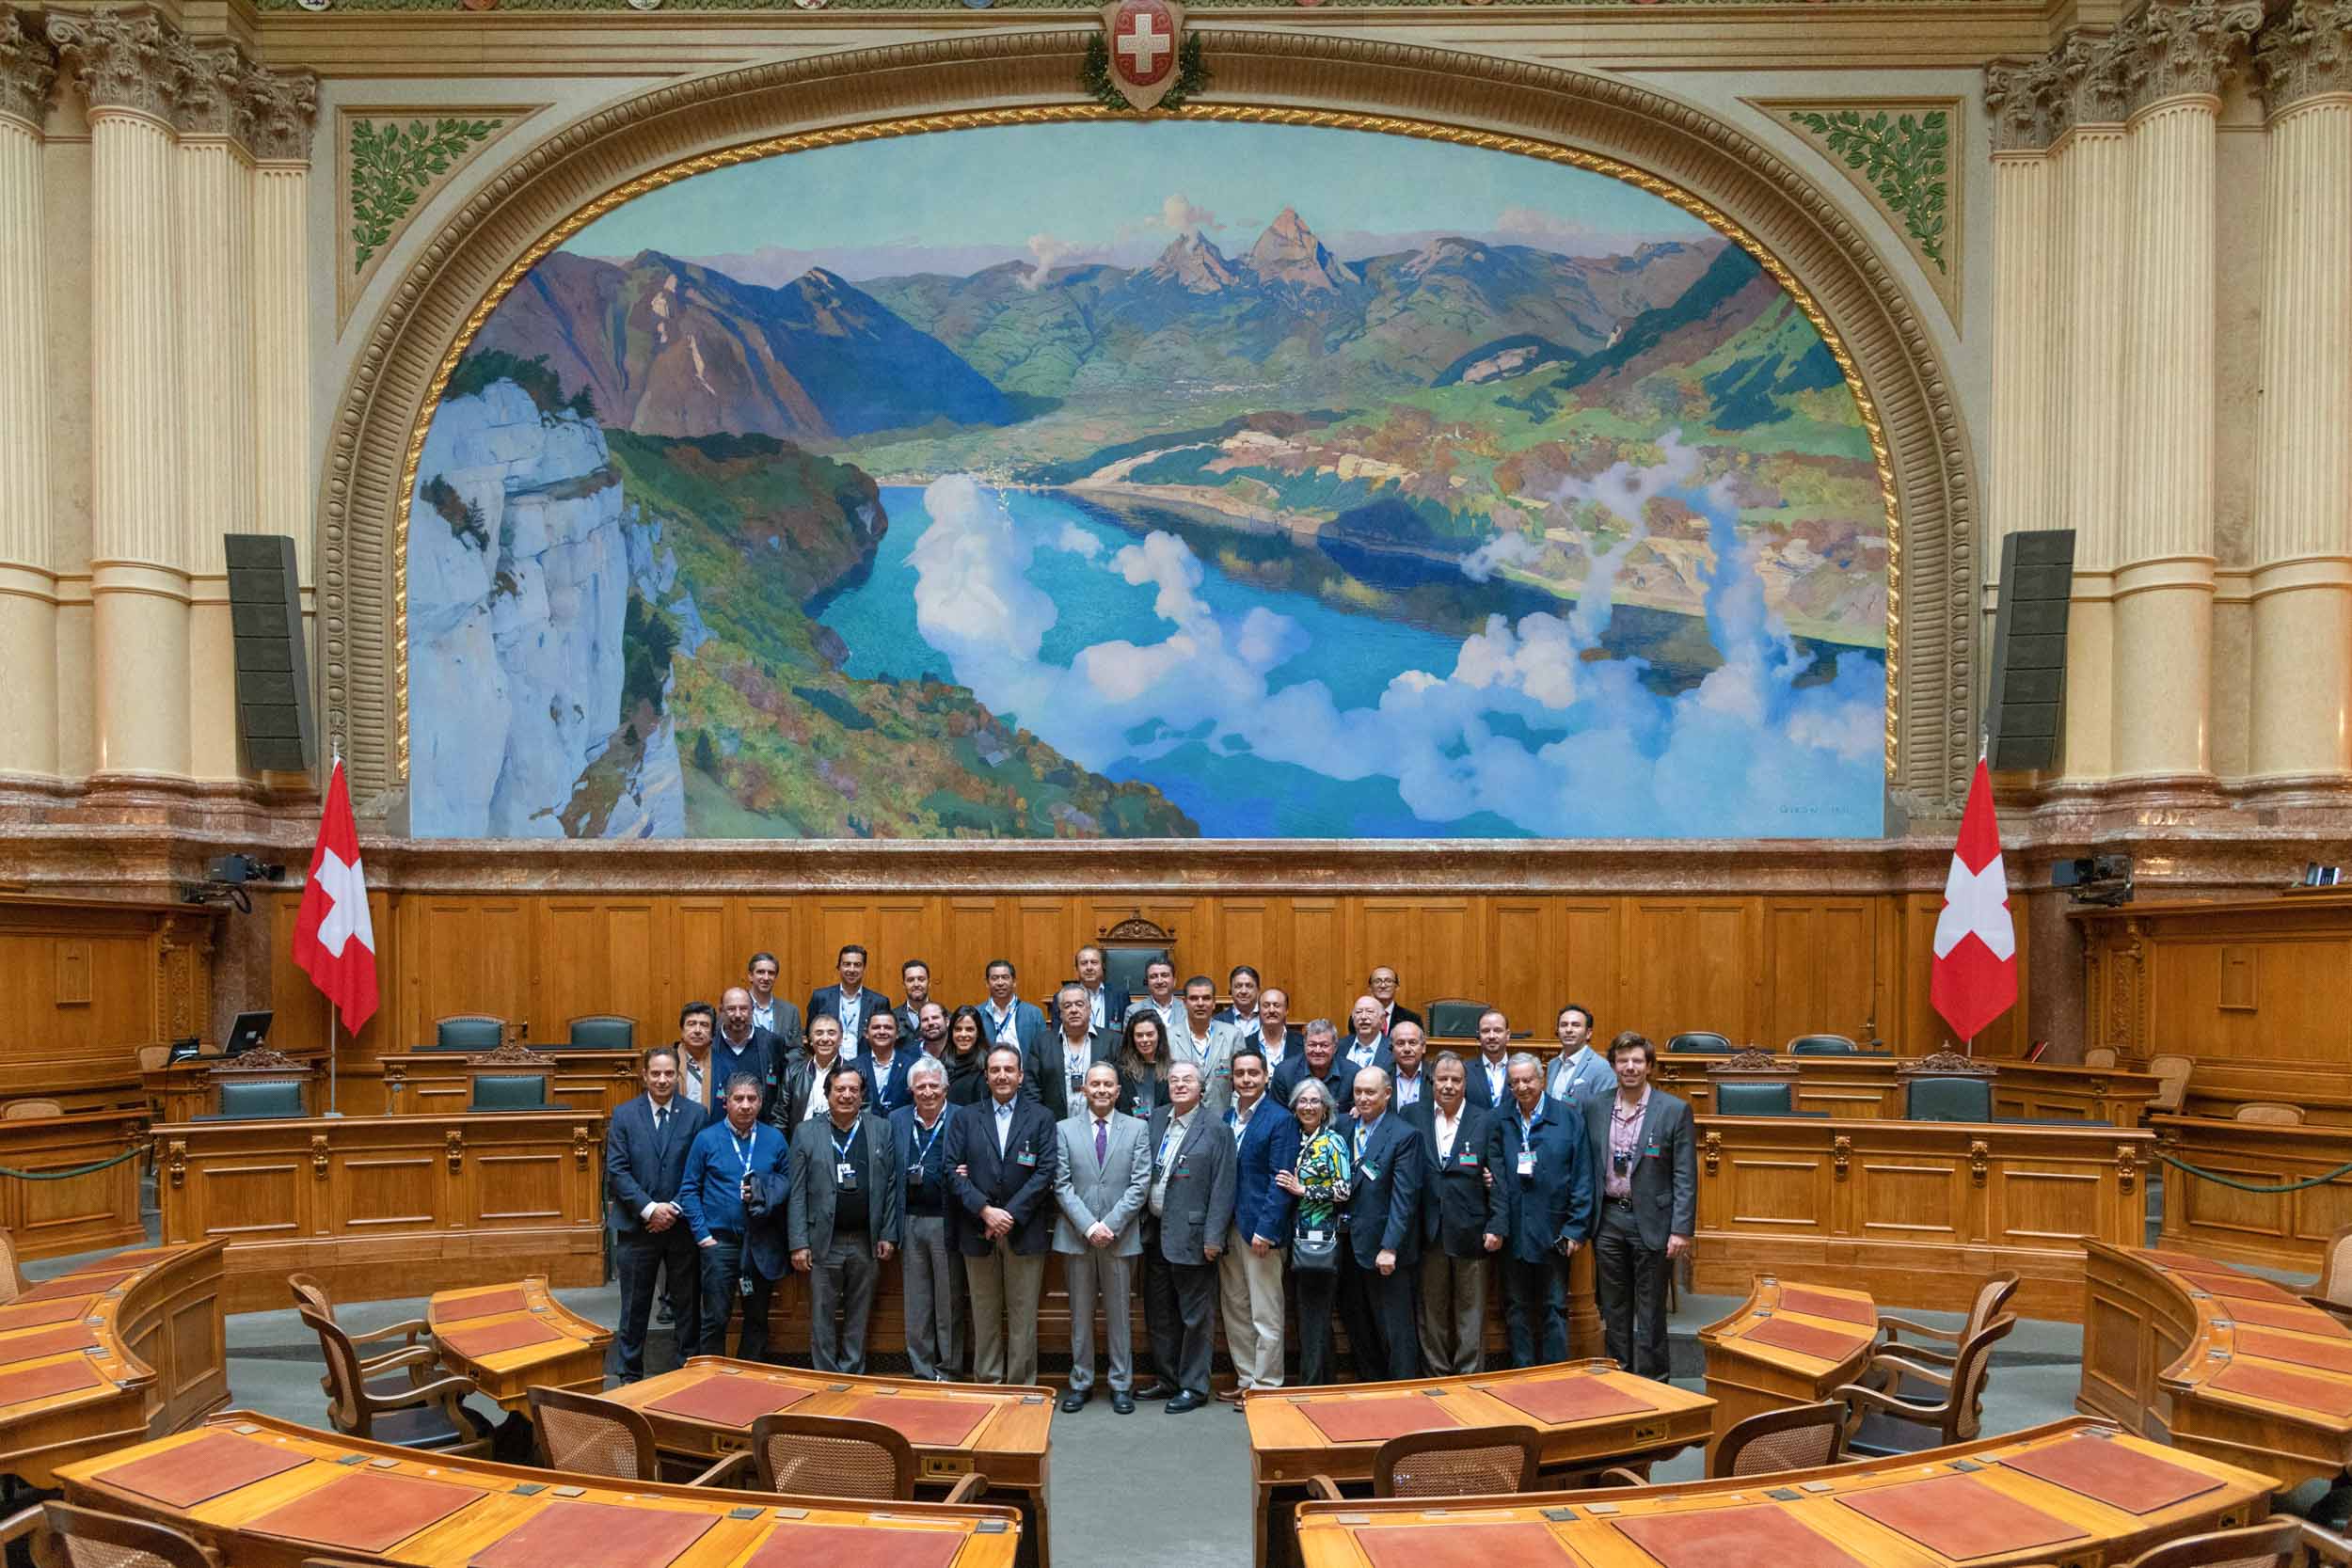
[1144, 37]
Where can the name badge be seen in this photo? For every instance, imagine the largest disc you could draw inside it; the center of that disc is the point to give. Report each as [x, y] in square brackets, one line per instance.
[844, 1176]
[1372, 1170]
[1027, 1157]
[1469, 1157]
[1527, 1162]
[916, 1174]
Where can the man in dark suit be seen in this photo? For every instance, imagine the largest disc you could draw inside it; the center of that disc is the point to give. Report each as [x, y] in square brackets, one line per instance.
[1489, 1071]
[1318, 1057]
[933, 1269]
[1105, 1008]
[1382, 1242]
[852, 1001]
[1367, 1045]
[773, 1013]
[1000, 1160]
[1382, 984]
[1056, 1076]
[914, 981]
[1280, 1043]
[1187, 1214]
[1535, 1149]
[884, 1063]
[1646, 1183]
[1005, 1019]
[1409, 1075]
[845, 1223]
[644, 1157]
[742, 1046]
[1250, 1275]
[1461, 1222]
[738, 1218]
[1241, 984]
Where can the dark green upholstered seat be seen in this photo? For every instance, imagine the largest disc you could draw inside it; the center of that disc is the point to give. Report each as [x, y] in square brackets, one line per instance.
[1123, 966]
[604, 1032]
[1453, 1019]
[250, 1102]
[510, 1091]
[470, 1033]
[1948, 1099]
[1734, 1098]
[1699, 1043]
[1823, 1045]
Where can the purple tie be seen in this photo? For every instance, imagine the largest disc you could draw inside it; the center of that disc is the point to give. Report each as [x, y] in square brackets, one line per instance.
[1101, 1141]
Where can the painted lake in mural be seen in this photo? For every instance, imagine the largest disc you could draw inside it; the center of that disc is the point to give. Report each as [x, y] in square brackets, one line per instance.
[1337, 486]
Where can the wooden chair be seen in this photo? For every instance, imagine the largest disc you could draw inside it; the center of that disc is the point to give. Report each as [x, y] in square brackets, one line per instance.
[836, 1456]
[1885, 1423]
[154, 1058]
[1797, 1438]
[2280, 1542]
[94, 1540]
[2271, 1113]
[1468, 1462]
[2172, 1074]
[417, 1358]
[596, 1436]
[12, 1281]
[26, 1110]
[2334, 1293]
[430, 1417]
[2101, 1055]
[1991, 1297]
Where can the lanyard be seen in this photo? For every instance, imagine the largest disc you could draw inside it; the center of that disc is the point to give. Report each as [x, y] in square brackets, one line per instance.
[746, 1148]
[1003, 1026]
[841, 1147]
[923, 1151]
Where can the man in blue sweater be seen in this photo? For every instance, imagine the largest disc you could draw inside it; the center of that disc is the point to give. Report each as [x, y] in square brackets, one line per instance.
[735, 1192]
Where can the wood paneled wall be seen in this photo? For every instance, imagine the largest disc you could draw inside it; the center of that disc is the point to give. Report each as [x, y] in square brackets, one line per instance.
[83, 985]
[1757, 968]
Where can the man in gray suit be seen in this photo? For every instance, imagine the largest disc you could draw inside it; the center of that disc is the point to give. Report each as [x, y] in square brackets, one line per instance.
[1201, 1037]
[1100, 1186]
[1645, 1186]
[1191, 1209]
[845, 1221]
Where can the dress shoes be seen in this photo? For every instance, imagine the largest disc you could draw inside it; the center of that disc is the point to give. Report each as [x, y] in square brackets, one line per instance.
[1229, 1396]
[1073, 1402]
[1157, 1390]
[1184, 1401]
[1122, 1402]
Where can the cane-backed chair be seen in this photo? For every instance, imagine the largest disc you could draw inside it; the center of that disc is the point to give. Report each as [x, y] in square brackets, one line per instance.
[1797, 1438]
[91, 1539]
[838, 1456]
[596, 1436]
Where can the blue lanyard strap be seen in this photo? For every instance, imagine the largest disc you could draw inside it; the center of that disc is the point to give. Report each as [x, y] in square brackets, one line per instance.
[841, 1145]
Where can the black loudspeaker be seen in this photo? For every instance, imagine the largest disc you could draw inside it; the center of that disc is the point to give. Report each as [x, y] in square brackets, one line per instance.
[273, 672]
[2030, 649]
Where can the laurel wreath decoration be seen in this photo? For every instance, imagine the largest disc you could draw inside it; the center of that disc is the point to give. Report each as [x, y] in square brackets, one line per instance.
[1192, 75]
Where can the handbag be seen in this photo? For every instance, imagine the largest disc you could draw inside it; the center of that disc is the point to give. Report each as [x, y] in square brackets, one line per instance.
[1314, 1251]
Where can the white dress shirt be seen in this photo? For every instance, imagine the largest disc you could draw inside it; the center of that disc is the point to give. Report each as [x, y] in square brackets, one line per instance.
[1004, 1124]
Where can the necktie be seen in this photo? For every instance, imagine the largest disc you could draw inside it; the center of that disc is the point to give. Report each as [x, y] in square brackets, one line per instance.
[660, 1120]
[1101, 1141]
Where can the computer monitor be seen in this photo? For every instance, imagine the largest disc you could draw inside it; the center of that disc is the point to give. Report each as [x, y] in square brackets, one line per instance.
[184, 1051]
[249, 1030]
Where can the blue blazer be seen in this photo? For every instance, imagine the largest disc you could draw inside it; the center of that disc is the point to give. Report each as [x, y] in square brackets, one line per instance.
[825, 1002]
[1029, 1029]
[640, 1168]
[1556, 1203]
[935, 1164]
[707, 1191]
[1020, 1181]
[885, 1092]
[1474, 1085]
[1384, 1190]
[1271, 1144]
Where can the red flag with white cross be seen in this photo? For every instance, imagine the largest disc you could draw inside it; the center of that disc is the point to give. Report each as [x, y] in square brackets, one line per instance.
[334, 938]
[1976, 940]
[1145, 36]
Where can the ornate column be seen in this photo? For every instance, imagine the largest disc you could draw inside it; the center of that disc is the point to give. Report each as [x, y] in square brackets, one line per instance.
[2174, 54]
[2094, 169]
[215, 182]
[124, 63]
[280, 108]
[2302, 658]
[2023, 493]
[28, 581]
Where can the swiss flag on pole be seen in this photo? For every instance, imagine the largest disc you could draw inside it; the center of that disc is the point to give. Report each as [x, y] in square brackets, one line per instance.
[1976, 941]
[334, 940]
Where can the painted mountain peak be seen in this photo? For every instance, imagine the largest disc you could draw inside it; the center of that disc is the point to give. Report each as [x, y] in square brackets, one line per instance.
[1288, 254]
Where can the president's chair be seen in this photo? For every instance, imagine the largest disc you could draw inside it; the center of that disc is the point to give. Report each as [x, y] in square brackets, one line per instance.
[469, 1032]
[1453, 1017]
[1699, 1042]
[1128, 948]
[512, 1078]
[1736, 1098]
[603, 1032]
[260, 1085]
[1948, 1100]
[1823, 1045]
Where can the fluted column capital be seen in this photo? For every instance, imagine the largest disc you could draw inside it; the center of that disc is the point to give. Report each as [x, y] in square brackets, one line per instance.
[124, 60]
[211, 96]
[28, 67]
[2034, 103]
[2306, 52]
[279, 108]
[2183, 48]
[2094, 71]
[2022, 97]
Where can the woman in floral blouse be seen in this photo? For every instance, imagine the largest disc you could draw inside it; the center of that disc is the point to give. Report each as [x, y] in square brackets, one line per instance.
[1319, 1181]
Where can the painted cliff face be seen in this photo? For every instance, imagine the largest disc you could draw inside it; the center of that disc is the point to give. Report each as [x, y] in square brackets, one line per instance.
[1163, 479]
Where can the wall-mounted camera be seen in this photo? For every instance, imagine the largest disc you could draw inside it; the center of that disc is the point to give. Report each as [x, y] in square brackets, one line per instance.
[2101, 879]
[225, 877]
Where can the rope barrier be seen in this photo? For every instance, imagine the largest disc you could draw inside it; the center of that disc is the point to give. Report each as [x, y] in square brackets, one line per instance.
[2254, 1186]
[131, 1153]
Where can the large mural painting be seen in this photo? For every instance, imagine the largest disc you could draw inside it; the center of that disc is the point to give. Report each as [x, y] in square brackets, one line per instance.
[1161, 480]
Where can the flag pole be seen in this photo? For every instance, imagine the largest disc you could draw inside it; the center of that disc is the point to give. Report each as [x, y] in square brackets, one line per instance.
[334, 1013]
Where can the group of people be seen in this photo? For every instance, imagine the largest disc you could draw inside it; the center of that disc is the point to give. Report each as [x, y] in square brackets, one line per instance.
[1240, 1163]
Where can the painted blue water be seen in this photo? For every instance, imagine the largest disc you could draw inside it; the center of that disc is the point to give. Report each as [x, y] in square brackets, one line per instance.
[1232, 795]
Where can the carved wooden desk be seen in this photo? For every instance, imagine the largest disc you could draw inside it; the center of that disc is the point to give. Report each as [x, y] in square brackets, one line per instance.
[2277, 1231]
[705, 1408]
[1590, 1413]
[2224, 1364]
[1916, 1213]
[514, 1337]
[1869, 1088]
[2075, 1492]
[1788, 1344]
[78, 1214]
[439, 1083]
[124, 1349]
[268, 1493]
[388, 1205]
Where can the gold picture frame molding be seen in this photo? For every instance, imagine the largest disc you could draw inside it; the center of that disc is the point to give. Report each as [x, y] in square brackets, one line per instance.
[1666, 147]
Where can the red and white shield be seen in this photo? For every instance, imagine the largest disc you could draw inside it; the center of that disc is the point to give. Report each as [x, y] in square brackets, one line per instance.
[1144, 37]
